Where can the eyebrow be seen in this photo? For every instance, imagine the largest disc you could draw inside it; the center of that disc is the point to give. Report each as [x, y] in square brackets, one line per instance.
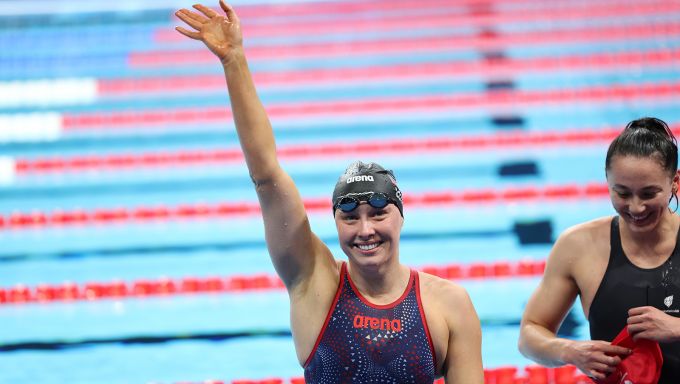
[620, 186]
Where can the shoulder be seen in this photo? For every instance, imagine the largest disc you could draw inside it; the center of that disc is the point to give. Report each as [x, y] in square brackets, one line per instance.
[579, 244]
[584, 236]
[441, 288]
[448, 299]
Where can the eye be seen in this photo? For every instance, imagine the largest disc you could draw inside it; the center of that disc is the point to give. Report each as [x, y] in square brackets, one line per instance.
[349, 217]
[623, 195]
[648, 195]
[379, 212]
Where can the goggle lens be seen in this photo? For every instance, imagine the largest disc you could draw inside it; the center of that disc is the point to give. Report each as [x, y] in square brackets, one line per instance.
[350, 203]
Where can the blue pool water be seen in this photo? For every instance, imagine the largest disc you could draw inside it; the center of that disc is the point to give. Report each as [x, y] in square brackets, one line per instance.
[229, 336]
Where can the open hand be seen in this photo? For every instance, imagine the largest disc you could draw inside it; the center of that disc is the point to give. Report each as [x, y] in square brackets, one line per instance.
[221, 34]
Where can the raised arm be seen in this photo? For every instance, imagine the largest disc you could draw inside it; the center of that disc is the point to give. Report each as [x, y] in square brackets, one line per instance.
[294, 249]
[548, 307]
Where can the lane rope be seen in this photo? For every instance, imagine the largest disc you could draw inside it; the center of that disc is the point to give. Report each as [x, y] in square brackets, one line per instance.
[172, 57]
[437, 144]
[461, 69]
[108, 216]
[431, 104]
[432, 15]
[118, 289]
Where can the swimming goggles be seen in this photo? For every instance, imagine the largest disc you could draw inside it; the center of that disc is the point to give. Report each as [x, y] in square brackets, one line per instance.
[351, 202]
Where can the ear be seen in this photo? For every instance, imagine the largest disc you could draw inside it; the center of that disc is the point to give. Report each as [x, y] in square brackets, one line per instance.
[676, 182]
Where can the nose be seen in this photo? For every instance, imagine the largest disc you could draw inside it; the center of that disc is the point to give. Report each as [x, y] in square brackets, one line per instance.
[636, 206]
[366, 229]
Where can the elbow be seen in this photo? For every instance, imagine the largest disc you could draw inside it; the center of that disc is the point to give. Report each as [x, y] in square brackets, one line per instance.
[522, 343]
[263, 178]
[526, 343]
[536, 344]
[263, 175]
[260, 181]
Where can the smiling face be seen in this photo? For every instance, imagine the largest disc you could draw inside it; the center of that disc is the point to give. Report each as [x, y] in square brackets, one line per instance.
[370, 236]
[640, 189]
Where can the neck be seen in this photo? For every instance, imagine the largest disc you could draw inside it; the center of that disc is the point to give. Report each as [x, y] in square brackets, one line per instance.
[665, 229]
[381, 284]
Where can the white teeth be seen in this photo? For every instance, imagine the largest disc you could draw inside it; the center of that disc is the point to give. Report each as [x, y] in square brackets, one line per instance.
[638, 218]
[367, 247]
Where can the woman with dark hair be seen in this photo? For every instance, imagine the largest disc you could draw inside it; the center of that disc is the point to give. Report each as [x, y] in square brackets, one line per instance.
[625, 268]
[371, 319]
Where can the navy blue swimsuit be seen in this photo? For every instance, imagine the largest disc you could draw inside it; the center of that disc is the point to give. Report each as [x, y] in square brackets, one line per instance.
[362, 342]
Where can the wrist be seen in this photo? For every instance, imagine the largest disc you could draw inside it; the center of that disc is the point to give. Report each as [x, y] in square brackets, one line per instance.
[565, 348]
[234, 57]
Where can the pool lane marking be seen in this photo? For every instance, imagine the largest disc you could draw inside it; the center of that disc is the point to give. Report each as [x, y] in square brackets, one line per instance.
[220, 210]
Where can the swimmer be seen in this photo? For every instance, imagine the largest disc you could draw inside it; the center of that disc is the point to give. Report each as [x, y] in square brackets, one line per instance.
[367, 319]
[625, 268]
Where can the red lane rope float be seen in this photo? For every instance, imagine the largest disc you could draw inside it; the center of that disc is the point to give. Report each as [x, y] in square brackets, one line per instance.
[385, 105]
[255, 12]
[326, 150]
[90, 291]
[496, 67]
[465, 6]
[482, 41]
[104, 216]
[445, 16]
[531, 374]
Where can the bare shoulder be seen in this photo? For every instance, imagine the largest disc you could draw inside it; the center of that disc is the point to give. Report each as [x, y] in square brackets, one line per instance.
[581, 239]
[444, 294]
[435, 285]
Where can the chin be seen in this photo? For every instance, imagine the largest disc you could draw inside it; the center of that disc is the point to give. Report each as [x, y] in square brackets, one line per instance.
[376, 260]
[646, 226]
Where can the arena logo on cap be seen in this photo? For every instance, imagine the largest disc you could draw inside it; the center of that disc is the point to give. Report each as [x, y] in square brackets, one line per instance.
[359, 178]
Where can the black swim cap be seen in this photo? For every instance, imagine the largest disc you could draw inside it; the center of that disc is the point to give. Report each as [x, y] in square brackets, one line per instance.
[360, 178]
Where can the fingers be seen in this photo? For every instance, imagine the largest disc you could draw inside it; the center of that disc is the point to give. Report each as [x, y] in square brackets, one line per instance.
[638, 311]
[606, 361]
[603, 368]
[193, 35]
[636, 324]
[190, 18]
[615, 351]
[638, 319]
[604, 348]
[597, 375]
[231, 15]
[639, 336]
[646, 334]
[209, 13]
[610, 361]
